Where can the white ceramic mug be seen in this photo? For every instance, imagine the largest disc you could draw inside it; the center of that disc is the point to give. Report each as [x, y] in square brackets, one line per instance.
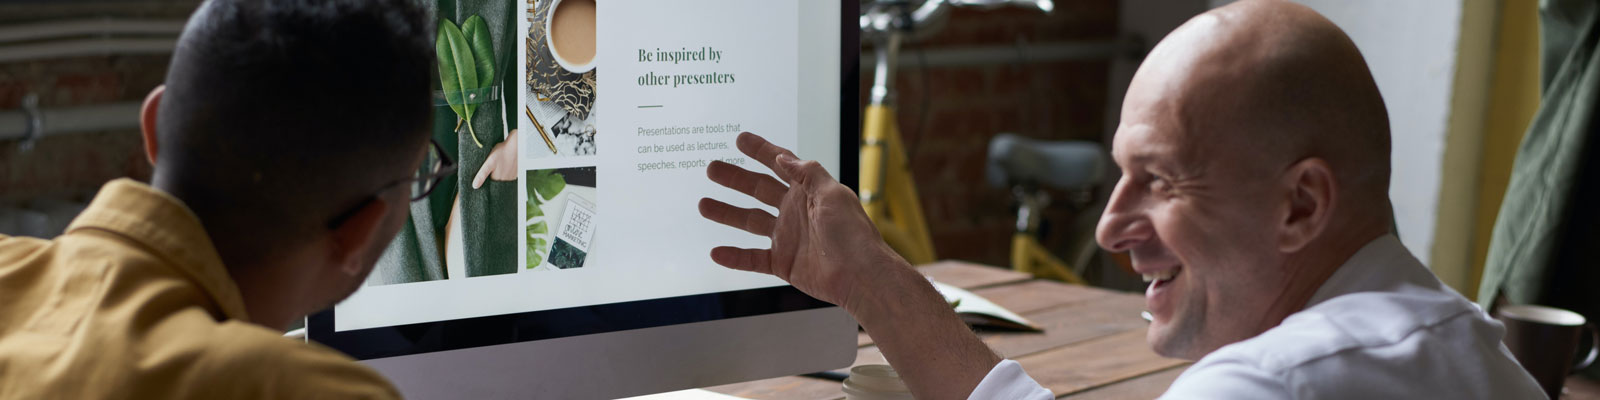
[550, 41]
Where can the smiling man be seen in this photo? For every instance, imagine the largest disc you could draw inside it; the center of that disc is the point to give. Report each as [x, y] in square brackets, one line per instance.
[1254, 148]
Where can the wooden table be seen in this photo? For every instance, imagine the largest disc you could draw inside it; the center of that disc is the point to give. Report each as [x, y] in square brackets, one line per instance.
[1581, 388]
[1092, 346]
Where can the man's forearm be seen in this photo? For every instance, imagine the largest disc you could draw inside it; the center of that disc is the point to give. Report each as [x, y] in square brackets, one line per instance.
[933, 351]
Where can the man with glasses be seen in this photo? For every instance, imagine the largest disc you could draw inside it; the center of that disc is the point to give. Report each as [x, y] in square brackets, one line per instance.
[288, 140]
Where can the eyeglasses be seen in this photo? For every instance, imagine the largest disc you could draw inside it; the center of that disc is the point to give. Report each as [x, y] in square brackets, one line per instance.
[436, 165]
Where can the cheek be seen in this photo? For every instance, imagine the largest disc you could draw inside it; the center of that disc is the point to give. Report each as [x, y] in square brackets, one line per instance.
[393, 221]
[1187, 233]
[397, 219]
[399, 212]
[1229, 261]
[1222, 254]
[1221, 232]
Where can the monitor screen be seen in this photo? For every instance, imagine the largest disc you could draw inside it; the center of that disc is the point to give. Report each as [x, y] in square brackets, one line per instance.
[620, 105]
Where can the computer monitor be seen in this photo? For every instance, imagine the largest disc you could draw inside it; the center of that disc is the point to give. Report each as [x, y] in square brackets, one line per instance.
[612, 291]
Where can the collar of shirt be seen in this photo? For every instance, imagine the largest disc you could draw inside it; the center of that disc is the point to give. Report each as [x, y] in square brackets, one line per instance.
[1383, 264]
[1383, 293]
[166, 226]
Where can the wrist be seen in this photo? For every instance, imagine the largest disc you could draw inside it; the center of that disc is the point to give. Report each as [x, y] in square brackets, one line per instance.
[891, 287]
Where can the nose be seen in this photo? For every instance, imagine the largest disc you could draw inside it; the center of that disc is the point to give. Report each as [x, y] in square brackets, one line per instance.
[1124, 223]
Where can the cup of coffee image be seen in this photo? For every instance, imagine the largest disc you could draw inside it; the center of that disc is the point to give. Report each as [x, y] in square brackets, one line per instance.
[1545, 341]
[570, 33]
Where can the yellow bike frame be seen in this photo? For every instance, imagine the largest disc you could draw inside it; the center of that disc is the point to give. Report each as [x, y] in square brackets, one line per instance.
[1029, 256]
[887, 190]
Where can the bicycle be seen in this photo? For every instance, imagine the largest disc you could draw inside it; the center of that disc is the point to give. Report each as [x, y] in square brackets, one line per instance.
[887, 190]
[1029, 166]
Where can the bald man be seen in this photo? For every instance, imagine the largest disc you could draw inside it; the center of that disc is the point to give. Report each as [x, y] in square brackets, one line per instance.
[1254, 148]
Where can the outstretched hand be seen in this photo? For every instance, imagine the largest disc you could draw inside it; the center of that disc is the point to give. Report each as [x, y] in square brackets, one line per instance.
[824, 245]
[822, 241]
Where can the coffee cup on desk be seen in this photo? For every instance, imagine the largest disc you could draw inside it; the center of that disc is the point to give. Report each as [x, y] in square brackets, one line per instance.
[570, 33]
[875, 382]
[1545, 340]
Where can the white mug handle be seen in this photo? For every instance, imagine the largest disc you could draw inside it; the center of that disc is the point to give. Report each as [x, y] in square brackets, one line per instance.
[1594, 347]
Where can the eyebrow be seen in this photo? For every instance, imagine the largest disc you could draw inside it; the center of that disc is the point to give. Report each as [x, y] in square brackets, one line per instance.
[1142, 156]
[1173, 165]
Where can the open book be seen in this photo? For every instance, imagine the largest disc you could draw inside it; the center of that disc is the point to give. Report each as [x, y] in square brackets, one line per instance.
[980, 312]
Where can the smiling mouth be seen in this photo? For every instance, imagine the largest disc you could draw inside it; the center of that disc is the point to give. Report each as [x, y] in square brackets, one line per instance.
[1163, 277]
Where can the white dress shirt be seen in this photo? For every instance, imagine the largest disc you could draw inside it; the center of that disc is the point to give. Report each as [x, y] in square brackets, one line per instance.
[1381, 327]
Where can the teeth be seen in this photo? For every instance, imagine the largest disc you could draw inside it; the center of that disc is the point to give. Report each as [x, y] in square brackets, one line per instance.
[1161, 275]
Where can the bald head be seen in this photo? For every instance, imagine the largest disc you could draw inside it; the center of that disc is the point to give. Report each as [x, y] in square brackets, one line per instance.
[1271, 82]
[1254, 148]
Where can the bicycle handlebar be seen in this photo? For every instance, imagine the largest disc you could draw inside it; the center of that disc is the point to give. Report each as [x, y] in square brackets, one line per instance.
[877, 18]
[1041, 5]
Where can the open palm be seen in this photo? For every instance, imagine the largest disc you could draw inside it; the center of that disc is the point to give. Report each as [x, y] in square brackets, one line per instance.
[822, 241]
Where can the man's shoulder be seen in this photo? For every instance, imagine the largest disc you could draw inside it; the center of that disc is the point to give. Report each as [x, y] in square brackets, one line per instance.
[1383, 344]
[25, 262]
[15, 250]
[8, 240]
[243, 360]
[246, 344]
[1343, 327]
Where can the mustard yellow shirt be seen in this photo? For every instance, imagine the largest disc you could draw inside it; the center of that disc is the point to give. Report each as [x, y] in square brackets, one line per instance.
[133, 302]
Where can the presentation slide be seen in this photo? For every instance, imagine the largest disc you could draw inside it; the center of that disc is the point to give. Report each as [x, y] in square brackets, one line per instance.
[622, 106]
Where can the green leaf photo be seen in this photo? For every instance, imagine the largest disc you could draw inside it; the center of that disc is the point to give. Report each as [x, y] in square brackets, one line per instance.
[560, 217]
[466, 66]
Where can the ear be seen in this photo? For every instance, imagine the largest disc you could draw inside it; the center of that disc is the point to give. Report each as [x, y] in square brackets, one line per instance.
[356, 234]
[147, 121]
[1312, 192]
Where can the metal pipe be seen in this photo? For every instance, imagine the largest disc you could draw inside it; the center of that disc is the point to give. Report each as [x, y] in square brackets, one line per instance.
[58, 121]
[88, 27]
[85, 47]
[1016, 54]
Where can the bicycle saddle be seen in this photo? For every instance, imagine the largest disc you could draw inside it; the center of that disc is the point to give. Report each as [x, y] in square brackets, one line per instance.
[1067, 165]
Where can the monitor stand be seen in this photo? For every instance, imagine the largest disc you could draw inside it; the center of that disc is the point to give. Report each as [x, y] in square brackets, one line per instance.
[636, 362]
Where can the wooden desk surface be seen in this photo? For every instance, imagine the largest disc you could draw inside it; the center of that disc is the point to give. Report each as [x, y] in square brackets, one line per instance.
[1092, 346]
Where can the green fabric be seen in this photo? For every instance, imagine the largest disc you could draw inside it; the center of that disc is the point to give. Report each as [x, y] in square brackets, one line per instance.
[1545, 248]
[488, 214]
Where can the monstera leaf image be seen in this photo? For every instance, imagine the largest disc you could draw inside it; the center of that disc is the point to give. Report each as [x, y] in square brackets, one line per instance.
[466, 66]
[543, 185]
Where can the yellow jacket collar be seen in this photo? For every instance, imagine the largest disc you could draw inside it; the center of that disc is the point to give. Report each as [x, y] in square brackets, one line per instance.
[166, 226]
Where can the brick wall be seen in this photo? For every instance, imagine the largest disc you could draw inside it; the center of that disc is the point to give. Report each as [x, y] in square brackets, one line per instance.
[947, 116]
[72, 167]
